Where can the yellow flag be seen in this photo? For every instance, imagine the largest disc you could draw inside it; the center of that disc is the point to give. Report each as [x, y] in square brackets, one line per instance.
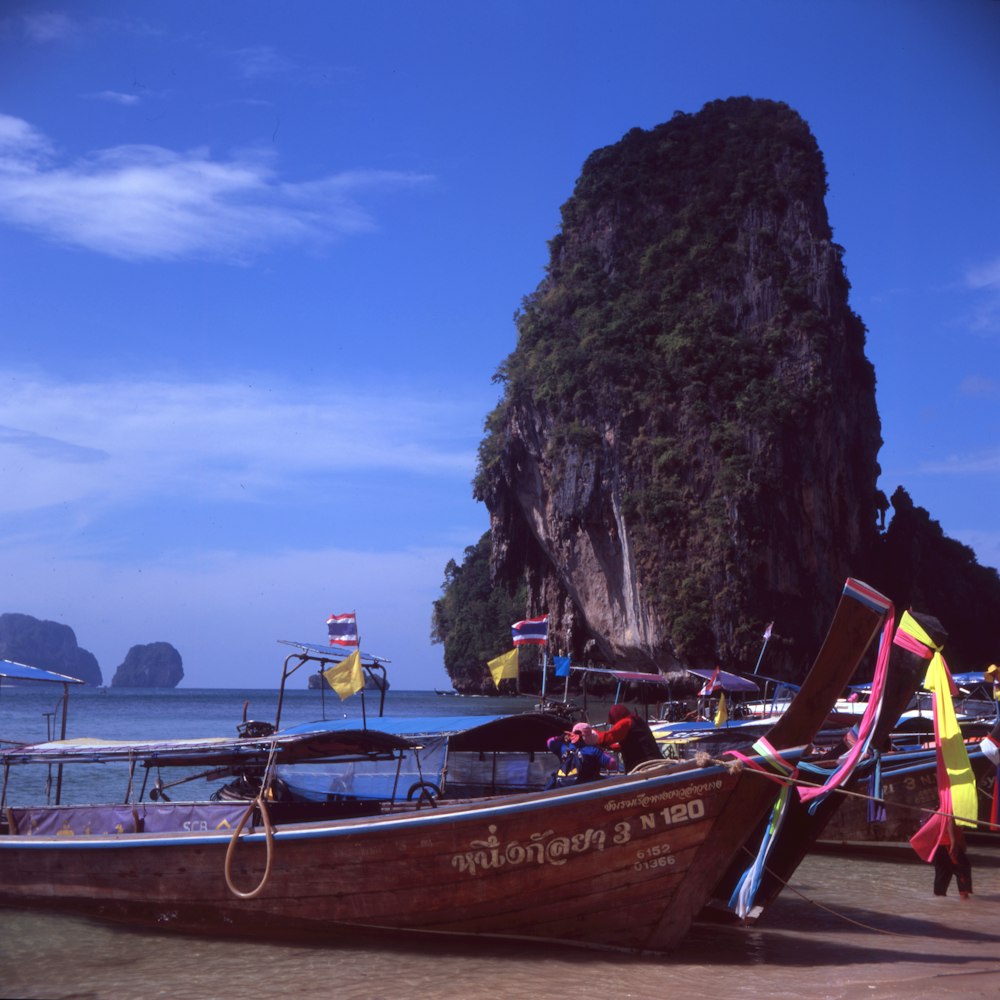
[722, 712]
[346, 678]
[504, 666]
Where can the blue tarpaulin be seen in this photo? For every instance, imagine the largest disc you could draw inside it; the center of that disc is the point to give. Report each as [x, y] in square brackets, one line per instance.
[22, 672]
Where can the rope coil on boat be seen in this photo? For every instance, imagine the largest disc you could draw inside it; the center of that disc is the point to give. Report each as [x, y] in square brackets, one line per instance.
[261, 801]
[733, 765]
[231, 850]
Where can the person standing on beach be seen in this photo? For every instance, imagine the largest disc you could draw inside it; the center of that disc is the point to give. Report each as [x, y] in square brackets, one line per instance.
[950, 859]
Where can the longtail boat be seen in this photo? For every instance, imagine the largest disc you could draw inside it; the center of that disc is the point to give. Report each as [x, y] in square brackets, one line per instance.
[802, 826]
[643, 850]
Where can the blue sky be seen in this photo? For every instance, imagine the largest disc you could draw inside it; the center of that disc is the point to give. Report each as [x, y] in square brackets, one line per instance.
[258, 264]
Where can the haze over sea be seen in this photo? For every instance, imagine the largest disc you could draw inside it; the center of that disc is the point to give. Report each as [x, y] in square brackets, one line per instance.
[846, 927]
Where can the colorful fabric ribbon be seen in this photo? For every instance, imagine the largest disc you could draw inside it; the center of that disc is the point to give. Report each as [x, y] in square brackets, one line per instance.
[957, 797]
[865, 729]
[742, 899]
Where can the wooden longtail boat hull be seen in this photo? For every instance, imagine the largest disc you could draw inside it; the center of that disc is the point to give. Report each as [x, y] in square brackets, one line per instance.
[627, 862]
[533, 866]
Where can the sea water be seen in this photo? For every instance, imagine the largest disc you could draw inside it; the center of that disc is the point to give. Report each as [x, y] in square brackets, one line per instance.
[846, 927]
[33, 714]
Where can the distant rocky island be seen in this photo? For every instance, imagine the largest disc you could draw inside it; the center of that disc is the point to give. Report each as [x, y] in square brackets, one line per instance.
[156, 664]
[48, 645]
[53, 646]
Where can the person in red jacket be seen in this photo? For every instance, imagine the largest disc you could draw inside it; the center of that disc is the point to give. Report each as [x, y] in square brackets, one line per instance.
[631, 736]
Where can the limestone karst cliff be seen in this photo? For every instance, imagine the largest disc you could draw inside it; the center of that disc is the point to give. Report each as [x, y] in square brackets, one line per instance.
[686, 447]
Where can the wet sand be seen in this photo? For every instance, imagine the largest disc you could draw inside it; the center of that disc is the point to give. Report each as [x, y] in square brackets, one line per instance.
[846, 928]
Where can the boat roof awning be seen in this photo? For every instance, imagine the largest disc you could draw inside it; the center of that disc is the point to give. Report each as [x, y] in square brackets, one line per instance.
[334, 654]
[219, 752]
[726, 681]
[971, 679]
[22, 672]
[484, 733]
[626, 676]
[401, 725]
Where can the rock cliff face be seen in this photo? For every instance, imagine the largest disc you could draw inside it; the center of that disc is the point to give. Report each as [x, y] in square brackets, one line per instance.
[157, 664]
[920, 567]
[687, 443]
[48, 645]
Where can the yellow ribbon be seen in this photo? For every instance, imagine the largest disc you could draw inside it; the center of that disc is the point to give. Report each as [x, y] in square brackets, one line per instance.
[964, 804]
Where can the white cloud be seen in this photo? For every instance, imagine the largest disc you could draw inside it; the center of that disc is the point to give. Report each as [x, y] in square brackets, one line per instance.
[146, 202]
[979, 387]
[115, 97]
[49, 26]
[979, 463]
[984, 279]
[257, 61]
[984, 275]
[22, 148]
[114, 442]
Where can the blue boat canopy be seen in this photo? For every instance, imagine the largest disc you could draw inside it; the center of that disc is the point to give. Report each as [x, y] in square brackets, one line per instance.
[22, 672]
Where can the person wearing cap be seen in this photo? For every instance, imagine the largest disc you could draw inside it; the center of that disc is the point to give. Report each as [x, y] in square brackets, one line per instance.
[631, 736]
[580, 757]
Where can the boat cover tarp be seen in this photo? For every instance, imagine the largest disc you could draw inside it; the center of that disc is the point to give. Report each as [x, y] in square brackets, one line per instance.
[144, 817]
[22, 672]
[369, 779]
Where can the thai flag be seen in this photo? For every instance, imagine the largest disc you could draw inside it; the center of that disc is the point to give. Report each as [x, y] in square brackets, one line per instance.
[343, 629]
[532, 631]
[711, 685]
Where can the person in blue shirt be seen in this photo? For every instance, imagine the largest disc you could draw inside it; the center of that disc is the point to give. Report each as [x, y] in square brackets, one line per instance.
[580, 757]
